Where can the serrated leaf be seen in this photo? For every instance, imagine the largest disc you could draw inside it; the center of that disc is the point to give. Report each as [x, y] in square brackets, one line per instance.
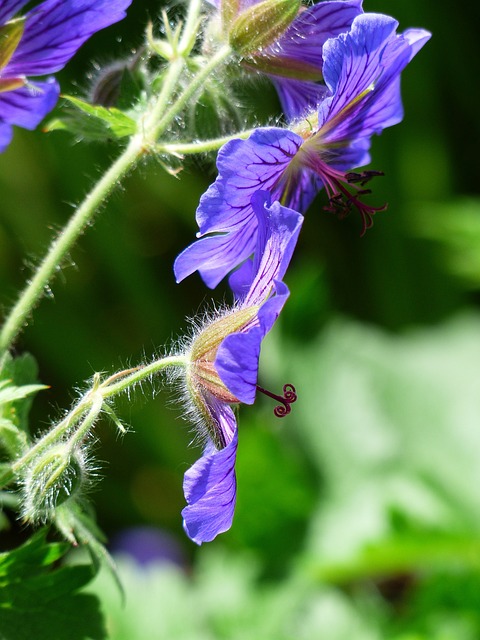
[94, 121]
[40, 601]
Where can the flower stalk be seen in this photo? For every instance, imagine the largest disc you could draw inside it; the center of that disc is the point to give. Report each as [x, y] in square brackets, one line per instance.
[155, 122]
[77, 425]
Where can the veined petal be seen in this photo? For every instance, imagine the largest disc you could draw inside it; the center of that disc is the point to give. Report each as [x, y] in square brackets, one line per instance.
[214, 256]
[305, 37]
[6, 134]
[278, 229]
[244, 167]
[26, 107]
[362, 70]
[56, 29]
[238, 355]
[237, 363]
[210, 488]
[8, 8]
[297, 97]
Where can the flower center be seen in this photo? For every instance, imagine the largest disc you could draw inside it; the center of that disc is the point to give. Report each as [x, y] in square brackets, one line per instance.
[288, 398]
[344, 189]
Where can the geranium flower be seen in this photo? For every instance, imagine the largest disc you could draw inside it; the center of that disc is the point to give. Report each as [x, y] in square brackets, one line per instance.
[37, 44]
[287, 48]
[223, 369]
[362, 72]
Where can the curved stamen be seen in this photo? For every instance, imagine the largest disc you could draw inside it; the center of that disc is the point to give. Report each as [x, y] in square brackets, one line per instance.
[288, 398]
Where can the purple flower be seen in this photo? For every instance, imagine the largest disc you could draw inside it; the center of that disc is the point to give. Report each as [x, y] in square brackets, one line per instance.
[37, 44]
[223, 369]
[292, 59]
[362, 73]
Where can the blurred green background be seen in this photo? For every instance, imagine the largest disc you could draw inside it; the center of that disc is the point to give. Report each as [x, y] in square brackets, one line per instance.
[358, 515]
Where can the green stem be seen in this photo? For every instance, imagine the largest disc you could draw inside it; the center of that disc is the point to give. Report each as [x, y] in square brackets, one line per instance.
[64, 242]
[91, 404]
[202, 146]
[155, 123]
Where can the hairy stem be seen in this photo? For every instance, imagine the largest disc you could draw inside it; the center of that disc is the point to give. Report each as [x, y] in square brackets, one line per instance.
[202, 146]
[80, 420]
[155, 122]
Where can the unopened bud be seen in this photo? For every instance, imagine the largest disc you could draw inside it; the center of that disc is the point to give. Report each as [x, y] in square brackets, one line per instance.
[53, 477]
[261, 24]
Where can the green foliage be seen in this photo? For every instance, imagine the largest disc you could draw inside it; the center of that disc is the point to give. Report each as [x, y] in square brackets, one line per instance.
[39, 599]
[17, 377]
[93, 122]
[454, 228]
[224, 600]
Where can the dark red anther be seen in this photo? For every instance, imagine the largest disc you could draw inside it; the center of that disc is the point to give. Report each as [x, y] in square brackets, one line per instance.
[288, 398]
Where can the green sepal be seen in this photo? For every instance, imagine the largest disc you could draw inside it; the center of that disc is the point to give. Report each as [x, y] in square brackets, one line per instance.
[10, 36]
[261, 24]
[94, 122]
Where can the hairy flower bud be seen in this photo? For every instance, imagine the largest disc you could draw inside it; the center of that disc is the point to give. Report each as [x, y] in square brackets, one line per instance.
[53, 477]
[261, 24]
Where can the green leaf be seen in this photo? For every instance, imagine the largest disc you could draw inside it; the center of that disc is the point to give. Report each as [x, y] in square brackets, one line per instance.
[38, 600]
[18, 378]
[79, 526]
[94, 121]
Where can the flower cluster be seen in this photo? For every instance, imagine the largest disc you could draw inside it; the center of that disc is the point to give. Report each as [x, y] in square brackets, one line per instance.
[337, 72]
[40, 43]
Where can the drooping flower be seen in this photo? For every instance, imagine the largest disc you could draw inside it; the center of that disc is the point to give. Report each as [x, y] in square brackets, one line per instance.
[40, 43]
[223, 369]
[362, 72]
[284, 40]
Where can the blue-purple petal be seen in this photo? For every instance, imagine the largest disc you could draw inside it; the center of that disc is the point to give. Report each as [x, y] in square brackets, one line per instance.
[210, 489]
[26, 107]
[305, 37]
[225, 210]
[6, 134]
[362, 70]
[55, 30]
[8, 8]
[237, 363]
[238, 355]
[278, 230]
[213, 257]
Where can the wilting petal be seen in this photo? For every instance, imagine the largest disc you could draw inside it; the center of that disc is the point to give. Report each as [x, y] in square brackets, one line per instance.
[56, 29]
[6, 134]
[27, 106]
[210, 489]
